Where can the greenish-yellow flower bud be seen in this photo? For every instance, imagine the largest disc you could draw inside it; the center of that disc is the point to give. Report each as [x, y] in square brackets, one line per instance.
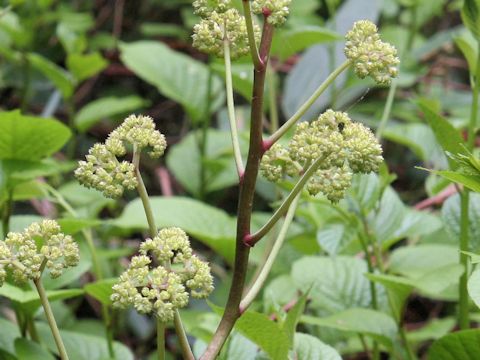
[204, 8]
[276, 11]
[370, 55]
[333, 183]
[209, 34]
[20, 252]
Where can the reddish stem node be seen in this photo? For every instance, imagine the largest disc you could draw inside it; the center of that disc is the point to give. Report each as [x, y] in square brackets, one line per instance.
[266, 145]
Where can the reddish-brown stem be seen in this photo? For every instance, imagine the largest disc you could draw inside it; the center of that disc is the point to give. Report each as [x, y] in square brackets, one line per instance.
[245, 203]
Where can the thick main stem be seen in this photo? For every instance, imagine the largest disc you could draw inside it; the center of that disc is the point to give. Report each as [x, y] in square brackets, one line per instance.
[262, 277]
[231, 108]
[51, 319]
[142, 192]
[245, 203]
[304, 108]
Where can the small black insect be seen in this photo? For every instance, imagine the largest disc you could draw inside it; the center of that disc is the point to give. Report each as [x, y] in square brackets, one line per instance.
[341, 126]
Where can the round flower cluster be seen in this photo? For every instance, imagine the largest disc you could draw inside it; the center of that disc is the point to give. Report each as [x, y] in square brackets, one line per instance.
[216, 26]
[370, 55]
[343, 146]
[20, 253]
[275, 10]
[163, 289]
[204, 8]
[104, 172]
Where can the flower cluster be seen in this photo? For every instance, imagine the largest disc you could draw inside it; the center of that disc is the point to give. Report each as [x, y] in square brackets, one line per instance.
[370, 55]
[275, 10]
[104, 172]
[20, 253]
[163, 289]
[344, 148]
[221, 23]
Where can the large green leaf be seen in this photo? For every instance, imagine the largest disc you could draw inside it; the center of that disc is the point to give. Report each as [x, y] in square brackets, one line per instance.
[471, 16]
[101, 290]
[451, 217]
[265, 333]
[293, 317]
[468, 45]
[83, 347]
[309, 347]
[83, 66]
[471, 181]
[368, 322]
[474, 286]
[29, 137]
[29, 299]
[105, 108]
[291, 41]
[210, 225]
[29, 350]
[62, 80]
[460, 345]
[242, 78]
[185, 162]
[334, 237]
[177, 76]
[8, 332]
[336, 283]
[447, 136]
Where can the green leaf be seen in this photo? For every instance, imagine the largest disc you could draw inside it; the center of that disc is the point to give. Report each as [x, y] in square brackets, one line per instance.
[336, 283]
[101, 290]
[8, 332]
[29, 350]
[290, 42]
[333, 237]
[265, 333]
[471, 16]
[451, 218]
[375, 324]
[474, 286]
[240, 348]
[184, 160]
[83, 347]
[471, 181]
[83, 66]
[293, 317]
[242, 78]
[434, 330]
[29, 137]
[469, 47]
[106, 108]
[62, 80]
[29, 299]
[68, 276]
[309, 347]
[447, 136]
[177, 76]
[398, 289]
[460, 345]
[212, 226]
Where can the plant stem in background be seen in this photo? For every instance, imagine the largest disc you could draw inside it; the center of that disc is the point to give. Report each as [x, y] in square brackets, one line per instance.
[160, 339]
[247, 191]
[305, 106]
[51, 320]
[231, 108]
[97, 268]
[142, 192]
[463, 302]
[267, 266]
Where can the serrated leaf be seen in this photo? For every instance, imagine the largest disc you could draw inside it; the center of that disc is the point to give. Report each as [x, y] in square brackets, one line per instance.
[333, 238]
[336, 283]
[101, 290]
[177, 76]
[309, 347]
[62, 80]
[212, 226]
[28, 137]
[105, 108]
[375, 324]
[460, 345]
